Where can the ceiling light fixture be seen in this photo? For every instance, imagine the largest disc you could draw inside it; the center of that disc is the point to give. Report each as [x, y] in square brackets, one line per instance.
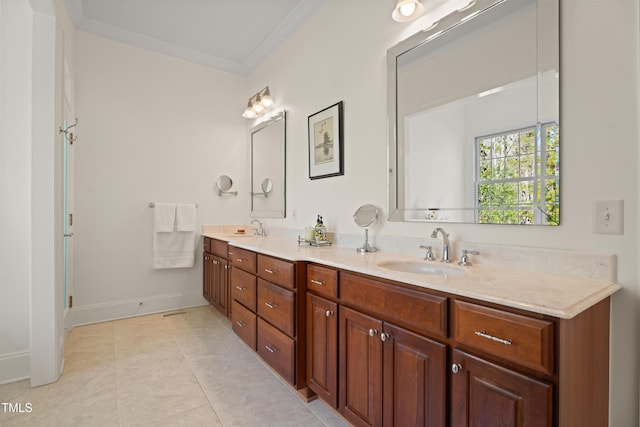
[258, 104]
[407, 10]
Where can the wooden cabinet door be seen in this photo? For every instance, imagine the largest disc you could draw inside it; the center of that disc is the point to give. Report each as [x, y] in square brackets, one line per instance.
[485, 394]
[322, 348]
[214, 291]
[414, 390]
[207, 273]
[360, 356]
[219, 284]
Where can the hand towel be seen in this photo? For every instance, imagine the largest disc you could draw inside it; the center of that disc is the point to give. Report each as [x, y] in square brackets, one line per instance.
[174, 250]
[186, 217]
[164, 217]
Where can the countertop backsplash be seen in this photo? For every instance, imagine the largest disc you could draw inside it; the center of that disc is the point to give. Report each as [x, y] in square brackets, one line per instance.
[578, 264]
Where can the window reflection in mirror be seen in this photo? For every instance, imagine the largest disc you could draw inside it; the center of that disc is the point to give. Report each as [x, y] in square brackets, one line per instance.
[268, 179]
[474, 107]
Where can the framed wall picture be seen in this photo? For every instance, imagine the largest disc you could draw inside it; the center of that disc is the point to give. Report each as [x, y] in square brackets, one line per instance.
[326, 145]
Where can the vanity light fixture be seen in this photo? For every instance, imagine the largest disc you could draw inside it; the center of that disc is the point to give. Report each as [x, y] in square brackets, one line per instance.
[258, 104]
[407, 10]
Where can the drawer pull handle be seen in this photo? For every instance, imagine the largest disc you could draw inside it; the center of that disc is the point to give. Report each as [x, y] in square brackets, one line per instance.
[271, 348]
[484, 334]
[270, 271]
[455, 368]
[270, 304]
[240, 260]
[240, 288]
[239, 323]
[317, 282]
[373, 332]
[328, 313]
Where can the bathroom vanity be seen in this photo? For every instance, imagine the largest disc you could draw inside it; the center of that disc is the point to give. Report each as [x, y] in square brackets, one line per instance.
[483, 346]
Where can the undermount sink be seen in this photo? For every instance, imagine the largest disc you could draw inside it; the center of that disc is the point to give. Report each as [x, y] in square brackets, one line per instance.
[421, 267]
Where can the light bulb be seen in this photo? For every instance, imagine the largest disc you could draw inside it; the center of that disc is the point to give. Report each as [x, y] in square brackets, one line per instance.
[266, 98]
[407, 9]
[258, 107]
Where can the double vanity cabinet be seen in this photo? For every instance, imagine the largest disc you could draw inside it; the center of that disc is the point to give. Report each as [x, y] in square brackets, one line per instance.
[387, 353]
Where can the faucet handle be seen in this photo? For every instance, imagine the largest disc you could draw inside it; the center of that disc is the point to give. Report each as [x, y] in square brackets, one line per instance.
[429, 255]
[464, 259]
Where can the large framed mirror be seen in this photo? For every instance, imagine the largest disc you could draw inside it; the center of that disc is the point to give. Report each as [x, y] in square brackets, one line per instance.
[268, 177]
[473, 106]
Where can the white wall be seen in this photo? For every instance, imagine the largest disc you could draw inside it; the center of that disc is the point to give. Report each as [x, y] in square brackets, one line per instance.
[151, 128]
[339, 54]
[15, 113]
[30, 321]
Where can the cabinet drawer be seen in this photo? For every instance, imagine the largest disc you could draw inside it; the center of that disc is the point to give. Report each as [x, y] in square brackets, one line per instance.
[219, 247]
[243, 322]
[276, 271]
[417, 311]
[277, 349]
[276, 305]
[514, 337]
[243, 259]
[322, 280]
[243, 288]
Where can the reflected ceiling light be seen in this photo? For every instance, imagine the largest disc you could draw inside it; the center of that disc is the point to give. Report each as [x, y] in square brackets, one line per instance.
[407, 10]
[258, 104]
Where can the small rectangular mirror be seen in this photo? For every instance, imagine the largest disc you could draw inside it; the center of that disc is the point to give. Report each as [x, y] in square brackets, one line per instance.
[268, 176]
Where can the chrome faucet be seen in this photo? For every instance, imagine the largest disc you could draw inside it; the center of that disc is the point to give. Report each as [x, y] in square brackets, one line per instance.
[260, 231]
[446, 246]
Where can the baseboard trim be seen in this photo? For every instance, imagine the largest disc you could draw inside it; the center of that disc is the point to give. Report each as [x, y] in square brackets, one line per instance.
[96, 313]
[15, 367]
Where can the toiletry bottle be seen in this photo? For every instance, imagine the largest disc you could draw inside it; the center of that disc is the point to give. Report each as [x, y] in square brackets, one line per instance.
[321, 230]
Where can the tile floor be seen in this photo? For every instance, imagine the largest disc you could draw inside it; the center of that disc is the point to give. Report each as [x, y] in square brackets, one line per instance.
[182, 370]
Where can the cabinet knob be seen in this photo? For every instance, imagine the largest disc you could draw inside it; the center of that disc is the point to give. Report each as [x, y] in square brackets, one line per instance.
[373, 332]
[455, 368]
[384, 337]
[328, 313]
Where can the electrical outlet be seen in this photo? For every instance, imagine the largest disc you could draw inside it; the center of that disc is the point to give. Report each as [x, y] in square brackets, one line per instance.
[608, 217]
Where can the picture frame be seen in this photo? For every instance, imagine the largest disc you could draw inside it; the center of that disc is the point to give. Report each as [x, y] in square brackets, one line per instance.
[326, 143]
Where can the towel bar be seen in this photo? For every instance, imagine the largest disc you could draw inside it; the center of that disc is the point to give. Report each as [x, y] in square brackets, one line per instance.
[153, 205]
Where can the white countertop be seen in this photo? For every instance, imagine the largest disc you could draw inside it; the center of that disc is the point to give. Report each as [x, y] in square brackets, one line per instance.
[552, 294]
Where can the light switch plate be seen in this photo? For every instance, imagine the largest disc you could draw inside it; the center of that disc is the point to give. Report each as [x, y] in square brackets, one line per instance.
[608, 217]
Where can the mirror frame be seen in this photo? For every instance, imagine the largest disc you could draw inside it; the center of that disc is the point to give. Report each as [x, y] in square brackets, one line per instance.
[281, 211]
[446, 23]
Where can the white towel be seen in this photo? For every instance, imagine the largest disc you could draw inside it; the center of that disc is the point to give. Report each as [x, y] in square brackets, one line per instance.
[164, 217]
[186, 217]
[174, 250]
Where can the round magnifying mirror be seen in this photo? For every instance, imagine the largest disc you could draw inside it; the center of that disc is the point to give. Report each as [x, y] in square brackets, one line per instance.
[223, 184]
[365, 217]
[267, 186]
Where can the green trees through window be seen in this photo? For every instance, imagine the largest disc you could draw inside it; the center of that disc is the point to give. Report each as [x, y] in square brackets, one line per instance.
[518, 176]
